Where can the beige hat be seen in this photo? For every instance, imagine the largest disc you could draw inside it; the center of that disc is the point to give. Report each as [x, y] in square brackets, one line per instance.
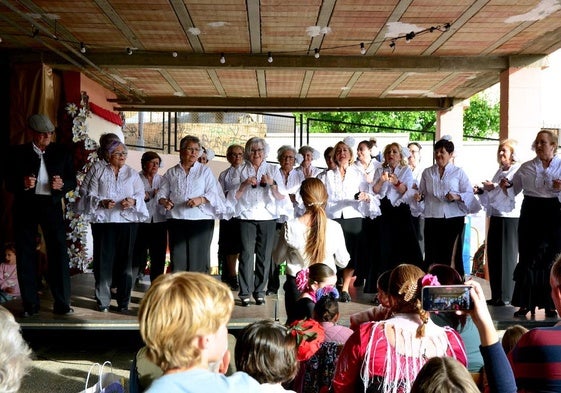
[40, 123]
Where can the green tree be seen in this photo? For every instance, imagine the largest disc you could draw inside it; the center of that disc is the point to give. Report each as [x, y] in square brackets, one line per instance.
[481, 119]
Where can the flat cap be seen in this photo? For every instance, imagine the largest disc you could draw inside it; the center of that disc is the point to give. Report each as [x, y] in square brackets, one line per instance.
[40, 123]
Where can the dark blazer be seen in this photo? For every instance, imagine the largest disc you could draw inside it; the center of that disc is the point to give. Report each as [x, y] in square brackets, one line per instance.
[24, 161]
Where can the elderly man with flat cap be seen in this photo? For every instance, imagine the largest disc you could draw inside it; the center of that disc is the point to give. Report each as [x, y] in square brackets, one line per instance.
[40, 175]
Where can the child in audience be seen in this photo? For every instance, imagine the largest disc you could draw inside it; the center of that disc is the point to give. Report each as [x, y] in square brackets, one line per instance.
[267, 352]
[182, 320]
[511, 336]
[9, 286]
[326, 312]
[379, 312]
[317, 280]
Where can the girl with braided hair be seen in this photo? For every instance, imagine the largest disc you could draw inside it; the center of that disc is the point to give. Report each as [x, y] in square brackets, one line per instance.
[386, 356]
[309, 239]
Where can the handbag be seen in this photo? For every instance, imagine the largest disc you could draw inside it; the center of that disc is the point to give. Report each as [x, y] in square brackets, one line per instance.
[107, 382]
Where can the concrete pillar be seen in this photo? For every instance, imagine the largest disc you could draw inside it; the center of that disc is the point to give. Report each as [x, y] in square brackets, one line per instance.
[451, 122]
[521, 107]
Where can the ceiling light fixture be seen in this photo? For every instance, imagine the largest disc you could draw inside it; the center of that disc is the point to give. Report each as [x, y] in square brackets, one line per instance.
[174, 54]
[82, 47]
[392, 44]
[269, 57]
[129, 51]
[362, 49]
[409, 37]
[222, 58]
[316, 53]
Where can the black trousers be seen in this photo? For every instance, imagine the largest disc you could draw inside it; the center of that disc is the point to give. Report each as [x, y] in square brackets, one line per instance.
[502, 255]
[189, 243]
[49, 215]
[444, 241]
[151, 239]
[257, 238]
[113, 250]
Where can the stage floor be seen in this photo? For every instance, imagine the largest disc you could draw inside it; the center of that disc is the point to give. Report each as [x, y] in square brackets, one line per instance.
[86, 316]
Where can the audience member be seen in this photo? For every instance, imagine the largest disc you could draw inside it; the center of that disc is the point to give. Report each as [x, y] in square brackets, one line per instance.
[387, 356]
[448, 377]
[326, 312]
[535, 358]
[309, 239]
[193, 199]
[539, 226]
[182, 320]
[40, 176]
[462, 323]
[9, 286]
[15, 355]
[152, 236]
[377, 313]
[267, 352]
[511, 336]
[313, 282]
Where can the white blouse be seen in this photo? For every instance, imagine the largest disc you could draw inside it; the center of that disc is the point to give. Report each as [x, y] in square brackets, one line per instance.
[434, 189]
[259, 203]
[103, 184]
[291, 246]
[535, 180]
[389, 190]
[496, 202]
[156, 213]
[341, 202]
[179, 187]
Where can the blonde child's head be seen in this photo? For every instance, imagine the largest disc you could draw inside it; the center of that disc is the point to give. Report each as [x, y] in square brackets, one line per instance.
[177, 315]
[511, 336]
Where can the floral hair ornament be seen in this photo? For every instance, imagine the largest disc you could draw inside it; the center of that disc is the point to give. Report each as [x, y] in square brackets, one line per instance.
[302, 278]
[328, 290]
[349, 141]
[299, 158]
[309, 335]
[429, 280]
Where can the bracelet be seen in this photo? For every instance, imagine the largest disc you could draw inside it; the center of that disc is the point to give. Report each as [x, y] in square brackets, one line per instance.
[398, 183]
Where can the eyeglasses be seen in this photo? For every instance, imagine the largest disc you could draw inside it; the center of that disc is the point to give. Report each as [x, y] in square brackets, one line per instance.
[288, 158]
[192, 149]
[256, 151]
[235, 155]
[119, 154]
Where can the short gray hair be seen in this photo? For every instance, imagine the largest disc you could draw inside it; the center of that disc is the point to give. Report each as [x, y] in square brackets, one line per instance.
[15, 359]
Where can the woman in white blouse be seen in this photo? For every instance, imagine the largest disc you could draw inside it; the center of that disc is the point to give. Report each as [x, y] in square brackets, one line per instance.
[308, 239]
[348, 203]
[306, 169]
[115, 202]
[393, 183]
[259, 201]
[539, 227]
[448, 196]
[502, 235]
[152, 236]
[193, 199]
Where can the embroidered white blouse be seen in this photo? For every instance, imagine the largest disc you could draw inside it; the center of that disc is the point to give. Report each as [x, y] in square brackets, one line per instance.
[536, 181]
[156, 213]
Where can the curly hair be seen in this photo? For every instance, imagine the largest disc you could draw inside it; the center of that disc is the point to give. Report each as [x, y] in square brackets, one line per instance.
[15, 359]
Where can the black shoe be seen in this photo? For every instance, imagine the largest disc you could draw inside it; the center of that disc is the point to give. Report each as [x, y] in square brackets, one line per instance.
[244, 302]
[522, 311]
[345, 297]
[103, 309]
[271, 292]
[31, 311]
[63, 311]
[259, 301]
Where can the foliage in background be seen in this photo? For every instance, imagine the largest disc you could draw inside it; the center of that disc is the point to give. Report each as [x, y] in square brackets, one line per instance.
[481, 118]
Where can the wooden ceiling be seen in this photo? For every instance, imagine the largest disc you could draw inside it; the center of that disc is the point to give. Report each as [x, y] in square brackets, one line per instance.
[176, 46]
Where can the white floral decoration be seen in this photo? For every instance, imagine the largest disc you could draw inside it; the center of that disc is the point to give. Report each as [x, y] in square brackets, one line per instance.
[78, 223]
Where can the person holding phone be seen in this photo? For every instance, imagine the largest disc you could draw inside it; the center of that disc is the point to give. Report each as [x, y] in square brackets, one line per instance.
[387, 355]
